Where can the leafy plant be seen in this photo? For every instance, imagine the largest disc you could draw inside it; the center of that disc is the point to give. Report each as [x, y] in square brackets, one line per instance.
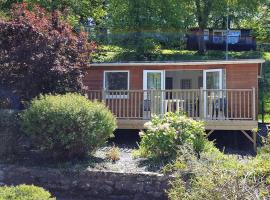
[218, 176]
[24, 192]
[67, 125]
[165, 134]
[113, 154]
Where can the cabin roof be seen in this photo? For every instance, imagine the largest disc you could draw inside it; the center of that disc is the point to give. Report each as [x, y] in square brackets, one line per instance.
[177, 63]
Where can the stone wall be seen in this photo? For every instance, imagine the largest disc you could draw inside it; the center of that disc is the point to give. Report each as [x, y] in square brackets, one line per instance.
[88, 185]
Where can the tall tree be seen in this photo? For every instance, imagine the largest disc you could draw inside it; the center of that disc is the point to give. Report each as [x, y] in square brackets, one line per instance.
[75, 10]
[138, 23]
[259, 23]
[207, 11]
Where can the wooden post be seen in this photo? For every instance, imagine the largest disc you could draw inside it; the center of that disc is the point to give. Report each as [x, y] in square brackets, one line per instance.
[103, 96]
[254, 103]
[201, 103]
[254, 140]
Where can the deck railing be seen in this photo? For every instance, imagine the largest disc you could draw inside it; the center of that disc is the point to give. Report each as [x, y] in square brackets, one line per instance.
[226, 104]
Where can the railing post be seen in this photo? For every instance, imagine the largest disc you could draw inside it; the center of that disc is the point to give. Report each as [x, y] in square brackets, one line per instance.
[254, 103]
[103, 96]
[201, 103]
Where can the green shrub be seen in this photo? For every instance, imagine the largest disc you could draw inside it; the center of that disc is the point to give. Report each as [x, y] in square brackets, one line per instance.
[68, 125]
[165, 134]
[218, 176]
[24, 192]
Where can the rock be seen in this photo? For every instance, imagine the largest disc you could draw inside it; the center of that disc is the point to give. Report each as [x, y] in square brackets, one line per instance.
[91, 184]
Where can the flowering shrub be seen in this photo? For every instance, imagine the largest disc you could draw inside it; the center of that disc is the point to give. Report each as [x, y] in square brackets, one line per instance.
[67, 126]
[164, 134]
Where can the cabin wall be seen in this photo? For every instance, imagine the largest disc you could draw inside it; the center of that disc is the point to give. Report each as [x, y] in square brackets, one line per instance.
[238, 76]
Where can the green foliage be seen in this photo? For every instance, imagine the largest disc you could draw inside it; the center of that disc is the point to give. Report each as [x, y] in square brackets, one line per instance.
[219, 176]
[260, 23]
[78, 11]
[165, 134]
[24, 192]
[222, 177]
[141, 25]
[68, 125]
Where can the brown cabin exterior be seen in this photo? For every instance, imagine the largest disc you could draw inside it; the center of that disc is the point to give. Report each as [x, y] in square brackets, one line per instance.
[224, 94]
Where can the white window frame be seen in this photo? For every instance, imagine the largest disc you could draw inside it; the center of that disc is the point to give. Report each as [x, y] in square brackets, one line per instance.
[219, 70]
[222, 36]
[104, 84]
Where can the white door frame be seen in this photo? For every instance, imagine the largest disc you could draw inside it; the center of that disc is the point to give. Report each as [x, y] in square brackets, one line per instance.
[212, 70]
[220, 71]
[145, 72]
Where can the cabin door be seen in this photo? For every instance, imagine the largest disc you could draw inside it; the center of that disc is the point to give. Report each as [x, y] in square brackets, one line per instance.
[153, 85]
[213, 85]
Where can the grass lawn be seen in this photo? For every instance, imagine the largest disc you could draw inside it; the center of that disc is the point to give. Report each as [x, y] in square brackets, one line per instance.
[109, 53]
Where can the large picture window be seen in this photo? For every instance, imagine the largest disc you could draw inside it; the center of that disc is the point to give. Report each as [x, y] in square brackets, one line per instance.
[116, 80]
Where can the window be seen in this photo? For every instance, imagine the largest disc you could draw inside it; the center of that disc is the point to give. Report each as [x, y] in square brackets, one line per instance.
[186, 84]
[206, 34]
[234, 36]
[218, 36]
[116, 80]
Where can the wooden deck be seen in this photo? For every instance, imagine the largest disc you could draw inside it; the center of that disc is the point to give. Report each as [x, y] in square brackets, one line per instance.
[209, 124]
[227, 109]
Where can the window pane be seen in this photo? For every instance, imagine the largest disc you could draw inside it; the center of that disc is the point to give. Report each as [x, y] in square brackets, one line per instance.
[212, 80]
[186, 84]
[116, 80]
[154, 80]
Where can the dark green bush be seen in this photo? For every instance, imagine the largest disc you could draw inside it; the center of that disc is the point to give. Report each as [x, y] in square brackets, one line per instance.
[165, 134]
[67, 126]
[24, 192]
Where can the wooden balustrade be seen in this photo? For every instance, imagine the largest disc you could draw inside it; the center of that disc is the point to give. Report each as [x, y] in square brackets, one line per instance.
[226, 104]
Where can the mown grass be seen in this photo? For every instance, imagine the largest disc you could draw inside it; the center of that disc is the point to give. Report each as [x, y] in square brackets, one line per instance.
[110, 53]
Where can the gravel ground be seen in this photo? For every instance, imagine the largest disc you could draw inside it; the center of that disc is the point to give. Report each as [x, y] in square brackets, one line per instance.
[127, 162]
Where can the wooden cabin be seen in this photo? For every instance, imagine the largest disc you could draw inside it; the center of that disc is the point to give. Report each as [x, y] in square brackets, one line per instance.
[215, 39]
[224, 94]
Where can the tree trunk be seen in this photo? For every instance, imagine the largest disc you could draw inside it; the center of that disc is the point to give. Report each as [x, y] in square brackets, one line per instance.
[201, 42]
